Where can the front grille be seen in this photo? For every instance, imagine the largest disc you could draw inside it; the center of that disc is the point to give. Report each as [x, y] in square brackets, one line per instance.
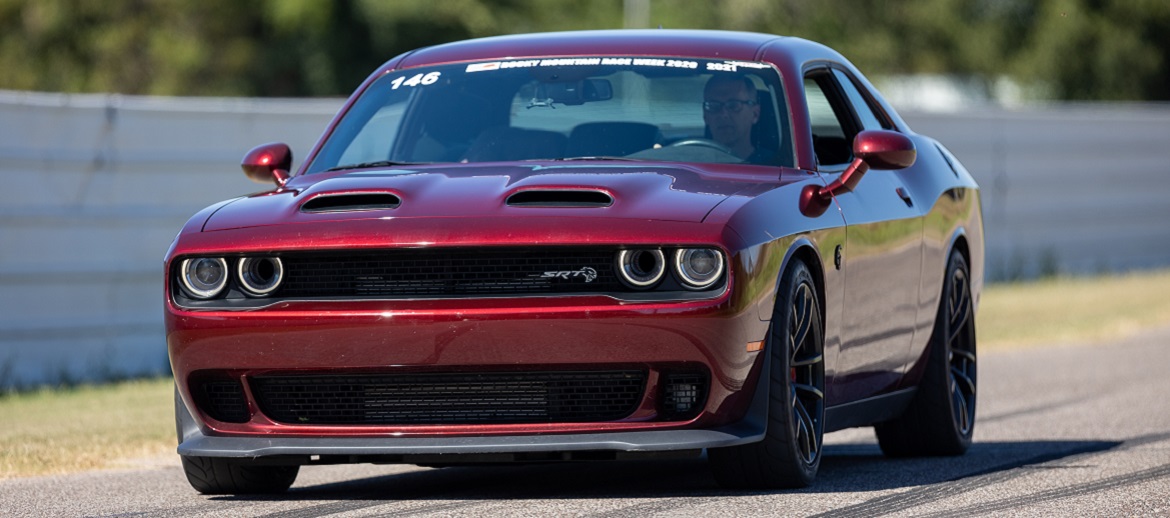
[451, 272]
[455, 398]
[223, 400]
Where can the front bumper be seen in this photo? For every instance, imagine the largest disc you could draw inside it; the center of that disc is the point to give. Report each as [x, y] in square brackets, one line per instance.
[566, 333]
[193, 441]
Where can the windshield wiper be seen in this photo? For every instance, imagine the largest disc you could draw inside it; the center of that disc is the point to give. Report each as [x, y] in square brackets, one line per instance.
[574, 158]
[364, 165]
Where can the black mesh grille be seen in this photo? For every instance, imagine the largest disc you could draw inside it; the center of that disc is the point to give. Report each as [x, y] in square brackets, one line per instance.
[452, 272]
[469, 398]
[223, 400]
[683, 394]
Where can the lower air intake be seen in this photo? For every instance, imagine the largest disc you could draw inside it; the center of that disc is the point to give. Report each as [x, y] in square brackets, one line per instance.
[683, 394]
[222, 400]
[462, 398]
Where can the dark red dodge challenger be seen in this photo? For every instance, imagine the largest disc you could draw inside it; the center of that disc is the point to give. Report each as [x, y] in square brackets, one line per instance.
[583, 246]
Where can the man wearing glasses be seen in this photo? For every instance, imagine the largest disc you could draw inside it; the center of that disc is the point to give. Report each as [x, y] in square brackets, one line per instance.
[730, 109]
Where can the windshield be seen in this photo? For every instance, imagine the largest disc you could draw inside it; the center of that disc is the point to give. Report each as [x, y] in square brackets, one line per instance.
[661, 109]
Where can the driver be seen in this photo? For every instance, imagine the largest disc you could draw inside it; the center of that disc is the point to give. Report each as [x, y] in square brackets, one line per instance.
[730, 109]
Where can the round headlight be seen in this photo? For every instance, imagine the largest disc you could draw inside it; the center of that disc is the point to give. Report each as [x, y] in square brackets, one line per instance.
[203, 277]
[698, 268]
[642, 268]
[259, 276]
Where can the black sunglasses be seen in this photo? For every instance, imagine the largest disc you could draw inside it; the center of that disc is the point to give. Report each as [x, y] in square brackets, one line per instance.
[733, 106]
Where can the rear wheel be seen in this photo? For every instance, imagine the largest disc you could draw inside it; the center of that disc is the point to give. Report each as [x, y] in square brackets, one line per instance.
[221, 476]
[941, 419]
[790, 453]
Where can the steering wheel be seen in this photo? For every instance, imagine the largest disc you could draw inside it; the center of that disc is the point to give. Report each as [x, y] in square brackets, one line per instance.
[703, 142]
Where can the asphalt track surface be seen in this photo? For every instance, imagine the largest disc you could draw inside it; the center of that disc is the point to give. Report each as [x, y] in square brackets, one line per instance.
[1061, 431]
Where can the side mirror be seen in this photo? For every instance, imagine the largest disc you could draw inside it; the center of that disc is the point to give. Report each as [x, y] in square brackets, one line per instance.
[879, 149]
[883, 149]
[268, 163]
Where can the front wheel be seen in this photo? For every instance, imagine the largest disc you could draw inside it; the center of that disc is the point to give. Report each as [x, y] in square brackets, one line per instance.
[790, 453]
[227, 476]
[221, 476]
[941, 419]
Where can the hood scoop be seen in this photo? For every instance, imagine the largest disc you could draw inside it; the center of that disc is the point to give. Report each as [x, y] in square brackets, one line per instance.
[560, 198]
[349, 202]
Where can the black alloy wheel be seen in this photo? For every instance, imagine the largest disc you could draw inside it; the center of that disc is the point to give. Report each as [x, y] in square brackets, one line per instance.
[941, 418]
[961, 351]
[807, 373]
[790, 453]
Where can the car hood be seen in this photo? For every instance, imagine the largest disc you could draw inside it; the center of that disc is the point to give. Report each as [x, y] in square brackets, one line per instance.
[612, 190]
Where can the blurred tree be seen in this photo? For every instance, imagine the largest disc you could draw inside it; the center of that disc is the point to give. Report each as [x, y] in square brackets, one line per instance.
[1074, 49]
[1098, 49]
[132, 46]
[312, 47]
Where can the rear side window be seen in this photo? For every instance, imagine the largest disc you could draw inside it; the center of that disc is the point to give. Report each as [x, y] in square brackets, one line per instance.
[869, 120]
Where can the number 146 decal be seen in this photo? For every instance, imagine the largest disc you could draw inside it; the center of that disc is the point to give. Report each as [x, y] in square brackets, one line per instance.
[418, 79]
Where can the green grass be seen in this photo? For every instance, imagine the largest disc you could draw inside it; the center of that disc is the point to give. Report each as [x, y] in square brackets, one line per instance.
[97, 427]
[1072, 310]
[53, 431]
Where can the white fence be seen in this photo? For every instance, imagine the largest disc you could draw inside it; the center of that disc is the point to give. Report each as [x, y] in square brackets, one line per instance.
[1080, 188]
[95, 188]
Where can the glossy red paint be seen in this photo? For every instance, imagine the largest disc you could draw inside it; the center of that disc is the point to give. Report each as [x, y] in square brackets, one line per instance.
[300, 334]
[447, 335]
[882, 149]
[815, 200]
[761, 218]
[676, 192]
[268, 163]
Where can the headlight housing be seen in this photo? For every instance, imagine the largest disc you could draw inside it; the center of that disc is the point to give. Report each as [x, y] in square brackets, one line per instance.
[641, 268]
[260, 276]
[698, 268]
[203, 277]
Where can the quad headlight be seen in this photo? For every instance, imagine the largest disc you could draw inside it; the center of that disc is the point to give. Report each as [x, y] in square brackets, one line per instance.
[693, 268]
[698, 268]
[203, 277]
[260, 276]
[641, 268]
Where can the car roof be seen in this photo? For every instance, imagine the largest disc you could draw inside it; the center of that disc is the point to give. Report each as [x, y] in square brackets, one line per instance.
[743, 46]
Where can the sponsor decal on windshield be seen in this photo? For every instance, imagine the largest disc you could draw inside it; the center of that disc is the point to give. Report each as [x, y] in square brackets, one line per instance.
[714, 66]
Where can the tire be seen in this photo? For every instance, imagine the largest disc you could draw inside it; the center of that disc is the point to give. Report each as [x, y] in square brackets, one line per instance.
[790, 453]
[941, 419]
[222, 476]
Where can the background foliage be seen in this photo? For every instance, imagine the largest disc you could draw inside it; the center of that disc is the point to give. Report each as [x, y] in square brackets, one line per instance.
[1060, 49]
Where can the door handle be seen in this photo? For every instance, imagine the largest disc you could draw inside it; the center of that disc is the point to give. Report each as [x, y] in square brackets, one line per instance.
[905, 197]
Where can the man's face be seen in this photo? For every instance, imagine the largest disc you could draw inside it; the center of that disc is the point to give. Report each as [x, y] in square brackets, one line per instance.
[729, 127]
